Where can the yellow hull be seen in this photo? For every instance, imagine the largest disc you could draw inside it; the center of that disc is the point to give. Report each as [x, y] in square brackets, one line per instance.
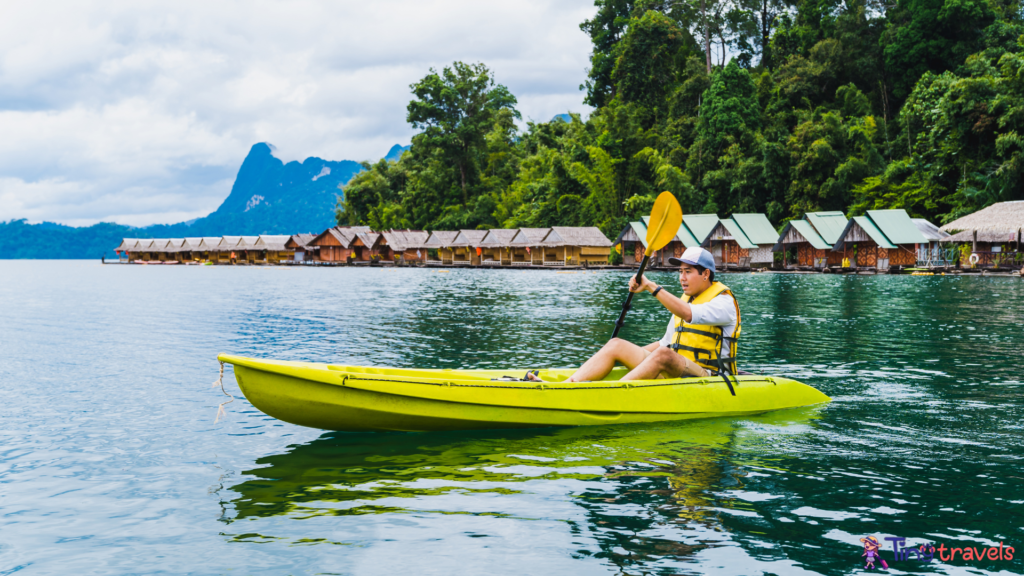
[353, 398]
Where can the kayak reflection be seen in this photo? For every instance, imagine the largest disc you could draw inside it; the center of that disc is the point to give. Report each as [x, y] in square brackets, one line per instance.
[622, 481]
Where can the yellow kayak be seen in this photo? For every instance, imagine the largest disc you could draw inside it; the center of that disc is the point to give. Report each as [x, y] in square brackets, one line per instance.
[355, 398]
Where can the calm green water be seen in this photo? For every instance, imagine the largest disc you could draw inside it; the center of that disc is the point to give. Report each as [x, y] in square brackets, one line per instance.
[111, 462]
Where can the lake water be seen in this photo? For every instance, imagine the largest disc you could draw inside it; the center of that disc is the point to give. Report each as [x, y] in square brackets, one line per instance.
[111, 462]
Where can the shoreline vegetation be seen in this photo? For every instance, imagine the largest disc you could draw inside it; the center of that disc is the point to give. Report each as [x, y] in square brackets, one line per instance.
[778, 108]
[824, 106]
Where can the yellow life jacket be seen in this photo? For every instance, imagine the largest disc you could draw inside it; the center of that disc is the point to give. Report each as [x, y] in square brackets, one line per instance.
[702, 343]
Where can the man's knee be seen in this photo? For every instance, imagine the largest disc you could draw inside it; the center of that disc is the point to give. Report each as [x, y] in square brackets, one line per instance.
[617, 344]
[663, 355]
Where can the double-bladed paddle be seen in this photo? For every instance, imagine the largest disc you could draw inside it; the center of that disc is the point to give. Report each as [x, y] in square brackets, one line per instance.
[666, 216]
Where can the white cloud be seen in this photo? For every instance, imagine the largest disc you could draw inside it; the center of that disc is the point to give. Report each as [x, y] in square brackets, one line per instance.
[142, 112]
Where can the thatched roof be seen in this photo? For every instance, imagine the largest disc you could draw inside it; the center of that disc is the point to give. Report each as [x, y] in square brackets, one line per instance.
[1000, 220]
[967, 236]
[529, 236]
[228, 243]
[247, 242]
[498, 237]
[174, 245]
[344, 236]
[402, 240]
[369, 238]
[275, 243]
[355, 229]
[209, 244]
[576, 236]
[440, 239]
[156, 245]
[299, 241]
[468, 238]
[126, 244]
[930, 231]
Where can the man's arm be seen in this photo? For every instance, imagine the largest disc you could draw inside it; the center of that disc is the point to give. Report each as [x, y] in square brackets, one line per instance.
[674, 305]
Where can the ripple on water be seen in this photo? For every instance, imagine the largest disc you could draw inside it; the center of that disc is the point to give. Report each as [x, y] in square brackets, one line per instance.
[110, 459]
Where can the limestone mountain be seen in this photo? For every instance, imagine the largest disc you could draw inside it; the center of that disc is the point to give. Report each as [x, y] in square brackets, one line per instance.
[269, 196]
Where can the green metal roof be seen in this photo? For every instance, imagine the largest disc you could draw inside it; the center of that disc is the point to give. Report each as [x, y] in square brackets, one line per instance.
[810, 234]
[873, 232]
[700, 225]
[641, 230]
[686, 237]
[897, 226]
[737, 233]
[757, 228]
[830, 225]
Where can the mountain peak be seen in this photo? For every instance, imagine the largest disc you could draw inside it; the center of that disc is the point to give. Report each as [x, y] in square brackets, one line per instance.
[396, 152]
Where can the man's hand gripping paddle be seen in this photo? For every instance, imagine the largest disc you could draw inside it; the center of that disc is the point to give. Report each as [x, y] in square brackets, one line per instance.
[666, 216]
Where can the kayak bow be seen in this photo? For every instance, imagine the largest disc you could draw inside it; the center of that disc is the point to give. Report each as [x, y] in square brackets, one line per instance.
[354, 398]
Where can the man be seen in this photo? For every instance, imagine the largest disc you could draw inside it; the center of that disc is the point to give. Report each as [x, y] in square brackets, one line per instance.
[701, 335]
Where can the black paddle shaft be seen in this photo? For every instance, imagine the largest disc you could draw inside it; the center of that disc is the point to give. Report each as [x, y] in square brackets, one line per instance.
[625, 305]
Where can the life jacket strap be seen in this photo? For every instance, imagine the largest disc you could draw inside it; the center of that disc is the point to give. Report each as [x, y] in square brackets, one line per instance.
[700, 332]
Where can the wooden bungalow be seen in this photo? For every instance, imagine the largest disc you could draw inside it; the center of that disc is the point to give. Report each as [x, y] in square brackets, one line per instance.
[299, 245]
[173, 250]
[406, 245]
[811, 249]
[246, 249]
[729, 245]
[157, 250]
[633, 242]
[575, 245]
[209, 249]
[227, 250]
[762, 234]
[125, 249]
[932, 253]
[333, 245]
[272, 249]
[439, 242]
[828, 225]
[994, 234]
[813, 238]
[496, 247]
[694, 231]
[466, 249]
[632, 236]
[527, 247]
[880, 239]
[191, 250]
[369, 246]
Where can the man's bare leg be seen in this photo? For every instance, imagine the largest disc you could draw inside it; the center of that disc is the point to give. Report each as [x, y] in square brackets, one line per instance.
[667, 361]
[600, 364]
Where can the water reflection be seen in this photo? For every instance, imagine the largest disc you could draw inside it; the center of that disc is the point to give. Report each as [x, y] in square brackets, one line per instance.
[627, 480]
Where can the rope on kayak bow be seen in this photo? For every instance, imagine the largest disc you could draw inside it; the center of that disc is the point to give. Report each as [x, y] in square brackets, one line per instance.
[220, 382]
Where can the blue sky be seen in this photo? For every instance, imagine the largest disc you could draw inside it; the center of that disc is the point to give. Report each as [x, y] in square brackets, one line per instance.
[141, 113]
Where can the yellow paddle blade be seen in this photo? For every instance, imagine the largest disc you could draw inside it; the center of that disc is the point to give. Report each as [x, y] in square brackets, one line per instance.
[666, 216]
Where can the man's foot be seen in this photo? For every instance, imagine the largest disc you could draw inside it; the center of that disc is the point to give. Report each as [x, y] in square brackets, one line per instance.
[532, 376]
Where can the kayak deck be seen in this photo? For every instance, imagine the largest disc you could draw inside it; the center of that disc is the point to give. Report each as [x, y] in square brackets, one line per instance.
[355, 398]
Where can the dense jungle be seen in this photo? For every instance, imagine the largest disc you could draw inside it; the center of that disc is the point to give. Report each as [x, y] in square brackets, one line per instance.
[733, 106]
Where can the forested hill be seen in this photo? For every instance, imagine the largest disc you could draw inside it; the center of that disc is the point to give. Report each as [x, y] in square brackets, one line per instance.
[268, 197]
[733, 106]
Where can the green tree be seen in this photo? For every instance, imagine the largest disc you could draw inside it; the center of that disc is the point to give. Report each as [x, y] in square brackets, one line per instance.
[455, 109]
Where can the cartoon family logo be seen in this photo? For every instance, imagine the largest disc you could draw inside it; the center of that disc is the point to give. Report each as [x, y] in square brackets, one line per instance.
[926, 552]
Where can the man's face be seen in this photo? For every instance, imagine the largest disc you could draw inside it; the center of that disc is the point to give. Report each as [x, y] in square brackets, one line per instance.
[693, 282]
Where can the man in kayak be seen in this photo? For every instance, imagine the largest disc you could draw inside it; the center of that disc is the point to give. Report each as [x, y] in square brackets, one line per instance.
[701, 336]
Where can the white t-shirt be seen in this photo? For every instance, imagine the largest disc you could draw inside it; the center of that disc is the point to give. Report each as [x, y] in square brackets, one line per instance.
[721, 311]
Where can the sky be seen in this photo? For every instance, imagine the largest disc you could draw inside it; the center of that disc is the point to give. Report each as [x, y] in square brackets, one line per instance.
[141, 112]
